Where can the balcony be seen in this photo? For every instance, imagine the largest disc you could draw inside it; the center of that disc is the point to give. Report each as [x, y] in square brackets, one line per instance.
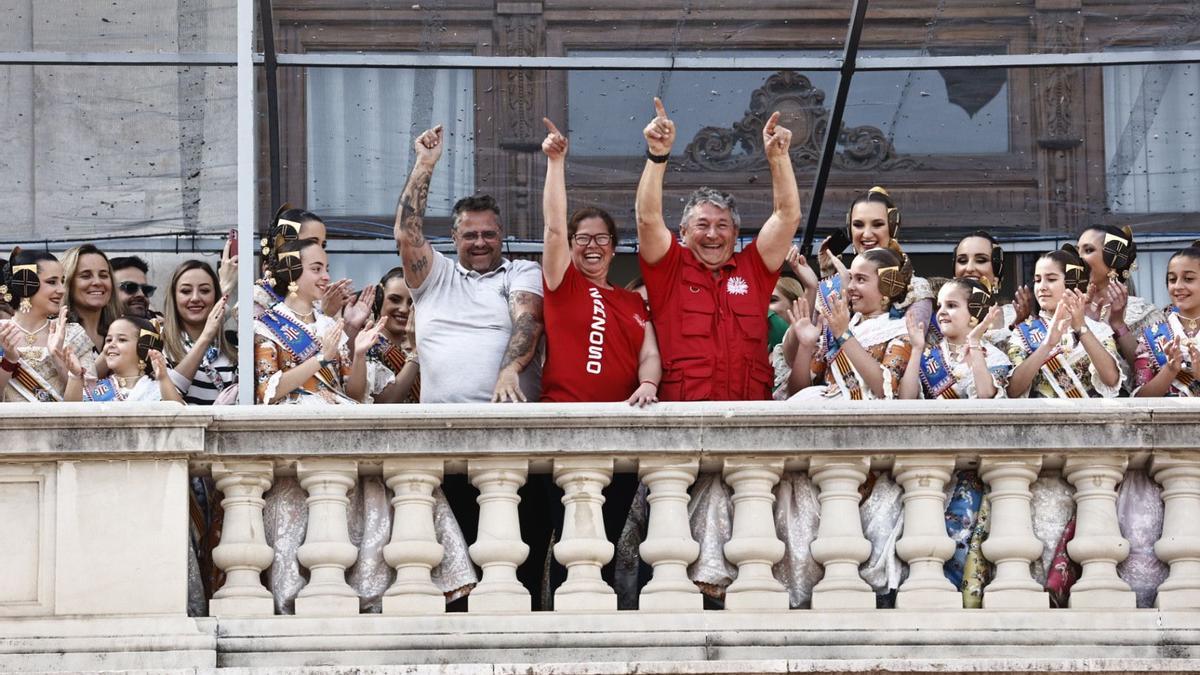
[94, 516]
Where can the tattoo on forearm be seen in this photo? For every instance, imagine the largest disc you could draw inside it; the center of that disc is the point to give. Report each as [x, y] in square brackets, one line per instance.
[410, 212]
[527, 330]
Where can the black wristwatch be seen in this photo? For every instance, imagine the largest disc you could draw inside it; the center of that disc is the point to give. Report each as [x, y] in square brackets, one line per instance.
[657, 159]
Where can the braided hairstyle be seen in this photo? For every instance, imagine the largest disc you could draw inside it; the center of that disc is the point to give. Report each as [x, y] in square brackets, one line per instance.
[895, 272]
[980, 297]
[19, 280]
[1118, 251]
[285, 268]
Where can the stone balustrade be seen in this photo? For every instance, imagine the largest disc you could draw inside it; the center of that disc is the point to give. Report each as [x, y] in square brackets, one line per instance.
[93, 510]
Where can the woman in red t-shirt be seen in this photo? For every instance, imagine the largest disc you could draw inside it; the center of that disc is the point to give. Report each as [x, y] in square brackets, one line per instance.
[600, 345]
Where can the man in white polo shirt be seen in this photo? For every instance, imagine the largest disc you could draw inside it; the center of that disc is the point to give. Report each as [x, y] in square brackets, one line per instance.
[478, 319]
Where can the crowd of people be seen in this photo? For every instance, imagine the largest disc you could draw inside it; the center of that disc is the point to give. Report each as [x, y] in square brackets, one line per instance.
[704, 321]
[707, 321]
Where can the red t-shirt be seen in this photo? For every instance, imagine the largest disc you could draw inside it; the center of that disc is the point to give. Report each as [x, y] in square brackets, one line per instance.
[593, 340]
[712, 329]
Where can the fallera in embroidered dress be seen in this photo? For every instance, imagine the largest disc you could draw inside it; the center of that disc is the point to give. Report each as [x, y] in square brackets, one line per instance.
[38, 362]
[1074, 356]
[272, 359]
[964, 376]
[1146, 363]
[884, 337]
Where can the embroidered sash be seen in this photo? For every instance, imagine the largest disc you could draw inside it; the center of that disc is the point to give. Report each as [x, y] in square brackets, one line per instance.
[827, 287]
[105, 390]
[1032, 333]
[1157, 337]
[32, 386]
[298, 341]
[936, 374]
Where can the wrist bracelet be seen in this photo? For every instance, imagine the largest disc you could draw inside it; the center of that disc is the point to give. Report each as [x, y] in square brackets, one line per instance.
[843, 338]
[9, 366]
[1121, 331]
[657, 159]
[324, 362]
[649, 382]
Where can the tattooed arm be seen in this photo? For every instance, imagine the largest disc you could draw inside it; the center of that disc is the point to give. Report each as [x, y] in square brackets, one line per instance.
[414, 250]
[527, 327]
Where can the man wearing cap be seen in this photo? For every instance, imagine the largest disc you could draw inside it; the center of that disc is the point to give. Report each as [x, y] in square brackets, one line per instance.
[710, 303]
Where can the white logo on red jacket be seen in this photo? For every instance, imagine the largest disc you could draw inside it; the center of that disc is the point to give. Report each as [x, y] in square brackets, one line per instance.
[737, 286]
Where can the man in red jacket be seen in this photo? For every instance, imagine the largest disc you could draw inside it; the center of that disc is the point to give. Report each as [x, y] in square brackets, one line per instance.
[710, 303]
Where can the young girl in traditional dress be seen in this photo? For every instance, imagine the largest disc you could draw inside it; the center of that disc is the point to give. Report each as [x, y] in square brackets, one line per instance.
[302, 356]
[1168, 353]
[136, 367]
[36, 341]
[862, 348]
[1111, 252]
[960, 364]
[1059, 352]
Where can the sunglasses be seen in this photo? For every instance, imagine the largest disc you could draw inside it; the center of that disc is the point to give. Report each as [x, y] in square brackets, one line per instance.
[132, 288]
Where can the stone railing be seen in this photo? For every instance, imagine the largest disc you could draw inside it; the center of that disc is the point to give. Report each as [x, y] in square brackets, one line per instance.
[93, 516]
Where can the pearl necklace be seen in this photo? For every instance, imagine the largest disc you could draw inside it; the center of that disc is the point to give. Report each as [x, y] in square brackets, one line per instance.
[31, 335]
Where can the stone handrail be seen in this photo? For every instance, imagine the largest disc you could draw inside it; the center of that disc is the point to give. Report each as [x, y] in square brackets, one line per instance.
[95, 498]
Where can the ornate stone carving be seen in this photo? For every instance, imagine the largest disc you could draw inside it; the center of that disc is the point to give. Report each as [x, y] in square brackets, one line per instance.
[802, 108]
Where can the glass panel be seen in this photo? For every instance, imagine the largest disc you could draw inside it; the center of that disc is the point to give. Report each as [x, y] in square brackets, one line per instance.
[359, 120]
[94, 152]
[982, 26]
[128, 26]
[556, 27]
[1150, 138]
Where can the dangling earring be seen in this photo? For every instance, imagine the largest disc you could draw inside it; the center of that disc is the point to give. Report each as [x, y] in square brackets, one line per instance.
[25, 307]
[142, 366]
[292, 289]
[974, 322]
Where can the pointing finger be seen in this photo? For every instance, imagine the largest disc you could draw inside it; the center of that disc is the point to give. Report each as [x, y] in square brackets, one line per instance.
[659, 110]
[550, 126]
[771, 122]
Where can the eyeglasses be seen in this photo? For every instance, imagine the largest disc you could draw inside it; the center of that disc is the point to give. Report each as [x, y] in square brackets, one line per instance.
[600, 239]
[132, 287]
[489, 235]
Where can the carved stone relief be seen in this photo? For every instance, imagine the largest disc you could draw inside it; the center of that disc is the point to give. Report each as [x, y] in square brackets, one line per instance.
[803, 111]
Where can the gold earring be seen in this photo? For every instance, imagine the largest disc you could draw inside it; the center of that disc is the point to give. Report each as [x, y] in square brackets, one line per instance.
[25, 307]
[974, 322]
[292, 289]
[141, 365]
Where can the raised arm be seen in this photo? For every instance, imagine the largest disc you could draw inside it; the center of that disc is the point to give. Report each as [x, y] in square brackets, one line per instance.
[527, 327]
[414, 250]
[556, 250]
[776, 235]
[654, 239]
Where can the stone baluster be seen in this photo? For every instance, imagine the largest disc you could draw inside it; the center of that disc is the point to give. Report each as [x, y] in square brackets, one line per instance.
[669, 546]
[924, 544]
[243, 552]
[754, 546]
[1179, 546]
[840, 544]
[1098, 545]
[584, 548]
[498, 548]
[414, 549]
[1011, 544]
[327, 550]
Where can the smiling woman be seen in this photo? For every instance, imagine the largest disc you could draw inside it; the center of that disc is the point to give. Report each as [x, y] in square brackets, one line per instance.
[91, 301]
